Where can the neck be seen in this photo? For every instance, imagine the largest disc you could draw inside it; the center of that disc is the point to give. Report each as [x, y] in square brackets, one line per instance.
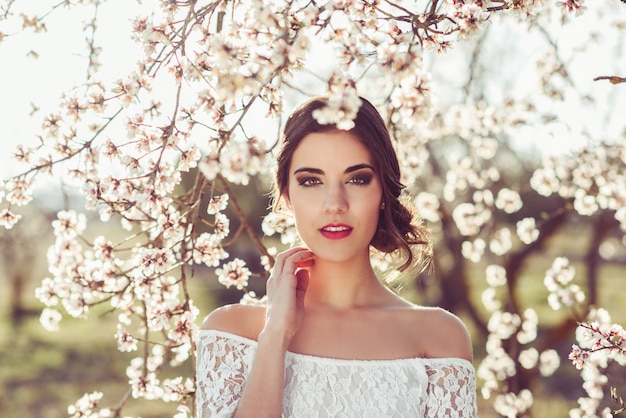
[343, 286]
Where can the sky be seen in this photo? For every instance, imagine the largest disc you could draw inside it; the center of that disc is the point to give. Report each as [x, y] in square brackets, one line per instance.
[60, 65]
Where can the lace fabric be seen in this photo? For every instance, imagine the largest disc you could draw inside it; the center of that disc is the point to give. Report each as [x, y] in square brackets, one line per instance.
[327, 387]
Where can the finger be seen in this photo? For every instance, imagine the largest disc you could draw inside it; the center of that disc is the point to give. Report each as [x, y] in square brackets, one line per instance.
[302, 283]
[283, 256]
[292, 262]
[307, 262]
[287, 265]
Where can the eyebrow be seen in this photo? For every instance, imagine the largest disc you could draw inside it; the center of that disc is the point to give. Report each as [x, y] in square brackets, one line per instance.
[348, 170]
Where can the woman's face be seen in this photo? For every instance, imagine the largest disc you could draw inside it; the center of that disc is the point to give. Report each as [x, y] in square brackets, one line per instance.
[335, 194]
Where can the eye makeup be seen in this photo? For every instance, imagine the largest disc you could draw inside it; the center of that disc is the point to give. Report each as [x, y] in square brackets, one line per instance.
[362, 178]
[308, 181]
[360, 175]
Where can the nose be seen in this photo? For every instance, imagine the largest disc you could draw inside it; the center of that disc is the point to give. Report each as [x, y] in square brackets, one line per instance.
[335, 200]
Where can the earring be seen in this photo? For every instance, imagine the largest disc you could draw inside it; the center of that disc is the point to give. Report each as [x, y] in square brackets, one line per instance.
[382, 205]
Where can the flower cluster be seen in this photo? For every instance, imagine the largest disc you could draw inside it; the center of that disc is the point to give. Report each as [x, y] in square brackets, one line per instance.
[342, 106]
[593, 179]
[507, 329]
[498, 366]
[17, 192]
[86, 406]
[148, 298]
[558, 282]
[234, 273]
[600, 343]
[143, 378]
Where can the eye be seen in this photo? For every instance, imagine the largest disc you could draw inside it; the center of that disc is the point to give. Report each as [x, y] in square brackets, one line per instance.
[361, 179]
[309, 181]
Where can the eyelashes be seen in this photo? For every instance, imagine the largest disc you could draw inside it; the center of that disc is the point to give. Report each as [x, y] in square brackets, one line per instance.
[360, 179]
[308, 181]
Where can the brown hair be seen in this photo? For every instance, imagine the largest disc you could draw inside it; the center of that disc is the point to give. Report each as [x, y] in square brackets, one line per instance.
[397, 228]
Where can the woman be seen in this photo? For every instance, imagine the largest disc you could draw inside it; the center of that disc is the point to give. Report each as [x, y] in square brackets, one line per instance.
[332, 340]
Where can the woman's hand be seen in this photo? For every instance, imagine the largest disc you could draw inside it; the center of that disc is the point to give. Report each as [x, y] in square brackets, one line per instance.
[286, 288]
[262, 394]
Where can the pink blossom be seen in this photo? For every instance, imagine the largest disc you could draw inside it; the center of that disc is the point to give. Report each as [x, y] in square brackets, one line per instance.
[573, 6]
[343, 104]
[234, 273]
[69, 224]
[8, 219]
[579, 357]
[222, 226]
[208, 250]
[86, 407]
[125, 341]
[217, 204]
[189, 159]
[19, 191]
[155, 260]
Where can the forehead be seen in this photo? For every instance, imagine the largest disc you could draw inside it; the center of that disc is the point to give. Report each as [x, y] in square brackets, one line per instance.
[332, 148]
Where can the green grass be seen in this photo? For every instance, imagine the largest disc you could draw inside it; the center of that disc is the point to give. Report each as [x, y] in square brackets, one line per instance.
[43, 372]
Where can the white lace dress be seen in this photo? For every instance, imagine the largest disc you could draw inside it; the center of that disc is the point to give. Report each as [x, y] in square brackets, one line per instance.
[327, 387]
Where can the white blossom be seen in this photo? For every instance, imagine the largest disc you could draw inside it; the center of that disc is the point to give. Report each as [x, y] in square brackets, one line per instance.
[8, 219]
[50, 319]
[473, 251]
[234, 273]
[125, 341]
[527, 230]
[508, 200]
[217, 204]
[495, 275]
[427, 206]
[502, 242]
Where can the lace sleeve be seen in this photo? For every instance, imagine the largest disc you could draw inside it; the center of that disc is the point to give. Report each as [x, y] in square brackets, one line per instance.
[222, 368]
[451, 389]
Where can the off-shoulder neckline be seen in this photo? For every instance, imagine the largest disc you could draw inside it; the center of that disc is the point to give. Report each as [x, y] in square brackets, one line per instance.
[253, 343]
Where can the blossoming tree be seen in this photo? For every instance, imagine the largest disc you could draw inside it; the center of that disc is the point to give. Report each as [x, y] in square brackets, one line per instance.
[207, 98]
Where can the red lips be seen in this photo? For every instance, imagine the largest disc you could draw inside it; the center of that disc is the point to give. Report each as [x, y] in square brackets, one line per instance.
[336, 231]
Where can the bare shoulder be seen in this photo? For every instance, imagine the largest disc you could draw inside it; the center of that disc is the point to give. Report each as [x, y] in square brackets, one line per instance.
[441, 333]
[243, 320]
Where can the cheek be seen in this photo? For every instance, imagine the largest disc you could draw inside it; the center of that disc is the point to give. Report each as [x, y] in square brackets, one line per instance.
[369, 208]
[374, 215]
[303, 212]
